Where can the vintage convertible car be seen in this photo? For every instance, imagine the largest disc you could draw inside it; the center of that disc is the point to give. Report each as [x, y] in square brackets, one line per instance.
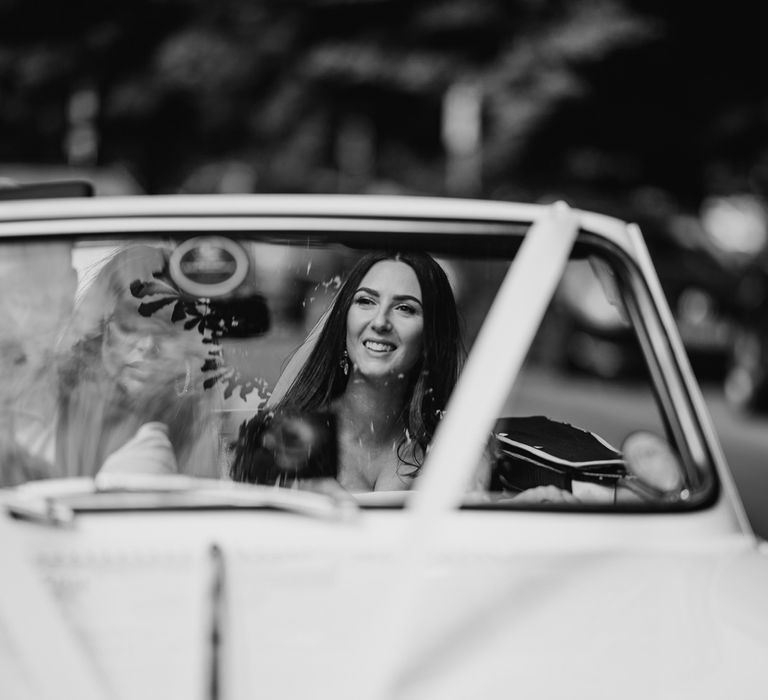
[604, 552]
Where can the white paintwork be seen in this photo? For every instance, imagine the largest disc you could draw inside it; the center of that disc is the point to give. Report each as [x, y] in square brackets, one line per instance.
[491, 604]
[382, 206]
[579, 604]
[45, 640]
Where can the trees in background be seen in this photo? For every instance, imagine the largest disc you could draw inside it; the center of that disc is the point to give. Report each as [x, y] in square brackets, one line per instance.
[488, 97]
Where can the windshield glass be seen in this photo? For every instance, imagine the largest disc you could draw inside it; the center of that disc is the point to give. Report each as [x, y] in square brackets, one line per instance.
[268, 361]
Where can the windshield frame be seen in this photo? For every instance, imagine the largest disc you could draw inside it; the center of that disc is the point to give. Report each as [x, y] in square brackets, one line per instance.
[482, 228]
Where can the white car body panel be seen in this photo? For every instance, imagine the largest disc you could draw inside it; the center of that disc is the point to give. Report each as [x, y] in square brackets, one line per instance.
[424, 602]
[498, 603]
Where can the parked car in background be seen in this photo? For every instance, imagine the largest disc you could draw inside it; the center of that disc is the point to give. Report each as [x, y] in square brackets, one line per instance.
[606, 552]
[712, 268]
[736, 230]
[105, 181]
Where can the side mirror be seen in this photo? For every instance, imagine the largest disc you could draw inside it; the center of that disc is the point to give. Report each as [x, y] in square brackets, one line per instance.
[653, 470]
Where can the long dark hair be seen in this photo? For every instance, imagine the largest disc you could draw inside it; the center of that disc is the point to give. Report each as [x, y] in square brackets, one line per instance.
[322, 379]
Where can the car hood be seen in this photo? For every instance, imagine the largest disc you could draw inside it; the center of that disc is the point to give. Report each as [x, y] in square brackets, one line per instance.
[280, 605]
[603, 625]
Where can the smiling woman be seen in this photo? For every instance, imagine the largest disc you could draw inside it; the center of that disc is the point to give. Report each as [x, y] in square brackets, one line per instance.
[385, 360]
[339, 354]
[385, 322]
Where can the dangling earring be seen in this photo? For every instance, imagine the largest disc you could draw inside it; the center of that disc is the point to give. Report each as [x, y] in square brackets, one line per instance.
[344, 362]
[187, 381]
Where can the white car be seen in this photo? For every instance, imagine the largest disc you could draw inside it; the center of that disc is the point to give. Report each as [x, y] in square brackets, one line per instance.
[123, 577]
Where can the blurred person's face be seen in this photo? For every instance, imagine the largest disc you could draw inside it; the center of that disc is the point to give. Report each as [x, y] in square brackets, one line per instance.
[385, 322]
[143, 354]
[37, 288]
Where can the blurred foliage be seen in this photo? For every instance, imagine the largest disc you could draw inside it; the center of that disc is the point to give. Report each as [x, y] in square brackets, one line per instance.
[347, 95]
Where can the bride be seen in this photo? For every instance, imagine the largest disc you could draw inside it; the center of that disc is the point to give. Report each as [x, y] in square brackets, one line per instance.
[383, 362]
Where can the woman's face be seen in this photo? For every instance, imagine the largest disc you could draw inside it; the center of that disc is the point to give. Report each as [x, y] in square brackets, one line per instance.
[143, 354]
[385, 322]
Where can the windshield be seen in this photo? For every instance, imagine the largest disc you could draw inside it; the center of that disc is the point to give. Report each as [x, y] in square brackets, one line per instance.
[259, 359]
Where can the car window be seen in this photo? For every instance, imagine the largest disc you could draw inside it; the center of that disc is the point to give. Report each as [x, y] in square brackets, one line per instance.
[183, 355]
[584, 389]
